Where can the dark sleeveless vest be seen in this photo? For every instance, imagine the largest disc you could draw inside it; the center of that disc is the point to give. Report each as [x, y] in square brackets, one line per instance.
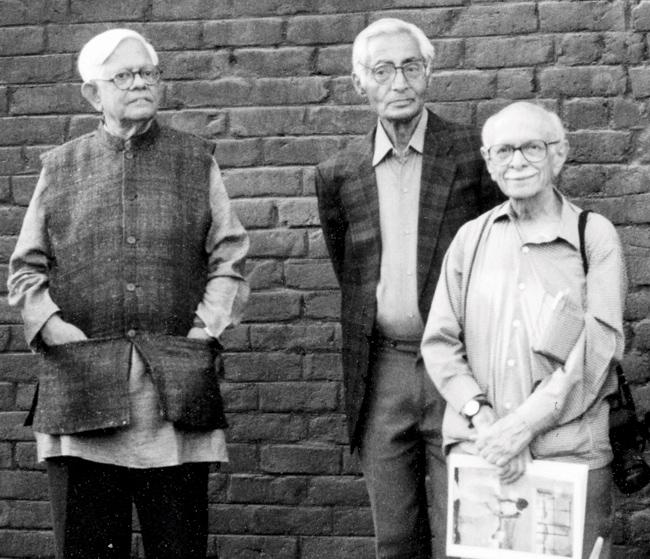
[127, 222]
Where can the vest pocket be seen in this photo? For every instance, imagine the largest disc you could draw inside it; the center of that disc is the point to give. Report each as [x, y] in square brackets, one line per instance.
[186, 374]
[83, 386]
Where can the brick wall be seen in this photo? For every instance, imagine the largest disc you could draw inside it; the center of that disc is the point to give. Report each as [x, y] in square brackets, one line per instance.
[268, 81]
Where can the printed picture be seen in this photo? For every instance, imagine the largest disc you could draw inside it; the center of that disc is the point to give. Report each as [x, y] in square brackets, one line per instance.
[539, 516]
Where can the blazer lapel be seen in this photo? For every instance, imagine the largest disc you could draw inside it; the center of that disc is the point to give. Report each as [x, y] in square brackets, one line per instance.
[438, 171]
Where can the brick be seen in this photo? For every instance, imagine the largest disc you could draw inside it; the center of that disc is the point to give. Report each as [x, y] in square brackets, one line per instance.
[202, 65]
[448, 53]
[295, 337]
[461, 85]
[4, 102]
[434, 22]
[629, 113]
[23, 485]
[239, 397]
[206, 123]
[240, 547]
[640, 81]
[226, 91]
[260, 121]
[7, 395]
[592, 81]
[623, 48]
[243, 32]
[357, 547]
[579, 48]
[508, 51]
[499, 19]
[637, 305]
[18, 367]
[286, 459]
[11, 220]
[629, 209]
[342, 92]
[353, 522]
[276, 243]
[284, 490]
[323, 366]
[300, 150]
[280, 428]
[80, 125]
[462, 112]
[25, 395]
[297, 212]
[26, 543]
[598, 146]
[35, 69]
[641, 16]
[25, 514]
[273, 306]
[70, 38]
[266, 181]
[558, 16]
[26, 456]
[642, 335]
[307, 30]
[12, 427]
[175, 35]
[298, 397]
[236, 338]
[334, 60]
[261, 367]
[340, 120]
[32, 155]
[20, 12]
[308, 181]
[516, 83]
[11, 161]
[21, 40]
[5, 189]
[317, 248]
[331, 428]
[279, 520]
[242, 458]
[284, 61]
[98, 10]
[310, 274]
[586, 113]
[44, 99]
[5, 456]
[238, 153]
[32, 130]
[289, 91]
[264, 274]
[255, 213]
[190, 9]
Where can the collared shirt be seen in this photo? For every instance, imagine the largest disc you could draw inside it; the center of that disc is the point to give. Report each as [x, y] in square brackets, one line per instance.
[148, 441]
[398, 183]
[522, 324]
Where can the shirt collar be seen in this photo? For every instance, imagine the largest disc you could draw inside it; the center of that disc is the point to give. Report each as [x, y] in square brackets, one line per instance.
[140, 141]
[568, 227]
[383, 145]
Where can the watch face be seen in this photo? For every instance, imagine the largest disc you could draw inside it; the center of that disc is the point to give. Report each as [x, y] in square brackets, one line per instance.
[471, 408]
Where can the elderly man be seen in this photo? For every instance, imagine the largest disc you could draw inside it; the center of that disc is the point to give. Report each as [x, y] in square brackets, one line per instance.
[389, 207]
[518, 341]
[127, 269]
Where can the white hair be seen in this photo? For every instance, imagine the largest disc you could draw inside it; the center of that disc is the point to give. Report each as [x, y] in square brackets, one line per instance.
[96, 51]
[387, 26]
[555, 124]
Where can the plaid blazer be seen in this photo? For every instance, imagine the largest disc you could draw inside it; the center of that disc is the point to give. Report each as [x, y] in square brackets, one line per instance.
[454, 188]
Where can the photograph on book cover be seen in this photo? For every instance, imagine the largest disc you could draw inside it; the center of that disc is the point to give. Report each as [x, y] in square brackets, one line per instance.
[540, 516]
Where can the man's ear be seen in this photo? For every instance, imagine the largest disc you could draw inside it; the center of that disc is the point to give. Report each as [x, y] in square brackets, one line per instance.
[356, 81]
[488, 163]
[560, 155]
[91, 94]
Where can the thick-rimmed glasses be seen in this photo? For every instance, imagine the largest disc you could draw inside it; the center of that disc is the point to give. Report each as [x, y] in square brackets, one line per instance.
[533, 151]
[124, 78]
[386, 71]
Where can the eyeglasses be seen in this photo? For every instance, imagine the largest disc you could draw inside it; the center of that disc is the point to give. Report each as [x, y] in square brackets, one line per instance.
[124, 78]
[533, 151]
[386, 71]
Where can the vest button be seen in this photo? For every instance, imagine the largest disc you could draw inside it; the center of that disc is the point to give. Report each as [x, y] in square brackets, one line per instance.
[128, 155]
[131, 333]
[130, 239]
[130, 286]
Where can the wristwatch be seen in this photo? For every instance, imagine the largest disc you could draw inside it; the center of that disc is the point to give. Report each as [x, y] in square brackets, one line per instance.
[473, 406]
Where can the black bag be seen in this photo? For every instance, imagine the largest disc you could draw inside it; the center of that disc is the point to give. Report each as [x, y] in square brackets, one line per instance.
[627, 434]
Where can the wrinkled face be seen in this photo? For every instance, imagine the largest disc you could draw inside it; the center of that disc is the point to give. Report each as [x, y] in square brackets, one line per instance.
[137, 103]
[398, 99]
[519, 178]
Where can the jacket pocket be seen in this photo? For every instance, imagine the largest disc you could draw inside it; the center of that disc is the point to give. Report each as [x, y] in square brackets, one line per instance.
[186, 374]
[83, 386]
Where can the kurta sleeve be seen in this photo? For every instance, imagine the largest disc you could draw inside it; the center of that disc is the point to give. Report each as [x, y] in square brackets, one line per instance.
[227, 244]
[571, 389]
[443, 345]
[29, 267]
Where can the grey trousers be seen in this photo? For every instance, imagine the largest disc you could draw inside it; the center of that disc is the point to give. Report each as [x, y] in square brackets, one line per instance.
[401, 446]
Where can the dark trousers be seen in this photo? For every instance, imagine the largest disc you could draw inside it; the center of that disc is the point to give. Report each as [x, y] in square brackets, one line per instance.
[92, 504]
[401, 446]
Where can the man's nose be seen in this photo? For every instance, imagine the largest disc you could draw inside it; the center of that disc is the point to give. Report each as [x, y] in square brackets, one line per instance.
[518, 159]
[399, 79]
[138, 82]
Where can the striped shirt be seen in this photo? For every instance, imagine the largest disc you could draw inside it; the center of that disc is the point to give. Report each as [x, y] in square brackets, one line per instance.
[523, 325]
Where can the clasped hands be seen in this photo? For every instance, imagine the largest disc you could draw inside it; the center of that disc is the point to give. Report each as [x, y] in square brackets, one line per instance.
[503, 442]
[57, 331]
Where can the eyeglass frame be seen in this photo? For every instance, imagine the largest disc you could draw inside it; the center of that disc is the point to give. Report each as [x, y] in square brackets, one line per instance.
[133, 74]
[520, 149]
[395, 67]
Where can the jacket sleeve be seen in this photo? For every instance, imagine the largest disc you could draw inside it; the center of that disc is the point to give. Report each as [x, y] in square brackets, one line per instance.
[332, 217]
[29, 267]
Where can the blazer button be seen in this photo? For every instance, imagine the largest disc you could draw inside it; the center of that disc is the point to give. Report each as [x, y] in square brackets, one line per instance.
[130, 240]
[130, 287]
[131, 333]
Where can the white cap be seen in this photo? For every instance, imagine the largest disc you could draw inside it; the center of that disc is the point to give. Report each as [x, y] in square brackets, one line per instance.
[95, 52]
